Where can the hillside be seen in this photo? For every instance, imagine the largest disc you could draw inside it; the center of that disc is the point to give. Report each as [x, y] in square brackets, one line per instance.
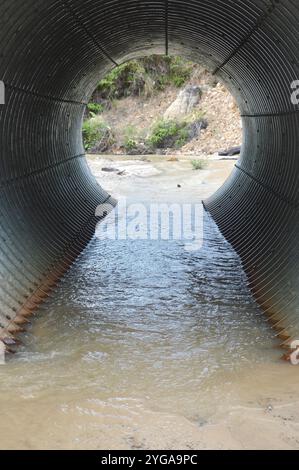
[128, 113]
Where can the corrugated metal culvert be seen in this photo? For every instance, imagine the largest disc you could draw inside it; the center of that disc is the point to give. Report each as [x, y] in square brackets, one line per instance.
[52, 53]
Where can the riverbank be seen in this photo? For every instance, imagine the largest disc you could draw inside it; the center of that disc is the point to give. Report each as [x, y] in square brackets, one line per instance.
[114, 171]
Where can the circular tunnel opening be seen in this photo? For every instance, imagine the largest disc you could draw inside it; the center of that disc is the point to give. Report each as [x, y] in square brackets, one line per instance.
[162, 105]
[51, 54]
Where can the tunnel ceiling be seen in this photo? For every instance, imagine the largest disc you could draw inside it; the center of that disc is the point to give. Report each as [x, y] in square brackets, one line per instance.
[52, 53]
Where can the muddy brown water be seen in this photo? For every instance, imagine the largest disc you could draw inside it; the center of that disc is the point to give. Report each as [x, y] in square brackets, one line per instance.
[147, 345]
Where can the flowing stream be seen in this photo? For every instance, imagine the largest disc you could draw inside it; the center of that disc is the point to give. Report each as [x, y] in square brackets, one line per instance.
[145, 344]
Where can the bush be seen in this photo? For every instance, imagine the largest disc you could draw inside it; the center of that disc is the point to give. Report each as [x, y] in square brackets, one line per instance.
[180, 71]
[130, 139]
[167, 133]
[125, 80]
[95, 108]
[165, 70]
[130, 145]
[144, 76]
[199, 164]
[97, 135]
[163, 133]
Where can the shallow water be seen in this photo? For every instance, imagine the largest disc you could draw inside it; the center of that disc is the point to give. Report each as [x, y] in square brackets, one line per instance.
[142, 340]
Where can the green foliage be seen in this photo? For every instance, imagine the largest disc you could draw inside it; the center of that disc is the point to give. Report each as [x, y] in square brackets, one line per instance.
[167, 70]
[162, 131]
[130, 144]
[95, 108]
[199, 164]
[90, 134]
[125, 80]
[145, 76]
[168, 133]
[96, 133]
[180, 71]
[130, 138]
[183, 137]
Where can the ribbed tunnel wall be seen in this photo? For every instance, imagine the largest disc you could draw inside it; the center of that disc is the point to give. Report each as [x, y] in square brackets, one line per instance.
[52, 53]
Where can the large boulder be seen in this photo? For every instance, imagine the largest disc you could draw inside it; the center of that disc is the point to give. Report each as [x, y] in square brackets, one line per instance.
[186, 101]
